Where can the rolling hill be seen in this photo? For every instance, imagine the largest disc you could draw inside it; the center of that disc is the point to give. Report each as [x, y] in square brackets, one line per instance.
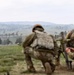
[24, 27]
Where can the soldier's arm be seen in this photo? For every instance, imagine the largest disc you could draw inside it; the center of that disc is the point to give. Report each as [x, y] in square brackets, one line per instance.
[28, 40]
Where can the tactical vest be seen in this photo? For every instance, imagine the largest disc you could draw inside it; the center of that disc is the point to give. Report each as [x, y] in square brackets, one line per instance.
[43, 40]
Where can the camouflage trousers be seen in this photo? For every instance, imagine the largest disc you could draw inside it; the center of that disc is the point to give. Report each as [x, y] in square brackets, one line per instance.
[71, 55]
[43, 56]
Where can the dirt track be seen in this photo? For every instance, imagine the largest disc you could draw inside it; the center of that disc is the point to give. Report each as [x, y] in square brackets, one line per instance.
[20, 69]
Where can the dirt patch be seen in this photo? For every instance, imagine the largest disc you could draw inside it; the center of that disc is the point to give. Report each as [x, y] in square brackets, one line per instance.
[20, 69]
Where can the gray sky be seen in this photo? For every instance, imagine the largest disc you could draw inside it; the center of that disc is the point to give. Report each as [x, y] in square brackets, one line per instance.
[56, 11]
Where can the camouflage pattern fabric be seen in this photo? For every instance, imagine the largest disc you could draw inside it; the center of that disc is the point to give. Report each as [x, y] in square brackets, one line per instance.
[70, 36]
[42, 55]
[70, 44]
[70, 52]
[43, 40]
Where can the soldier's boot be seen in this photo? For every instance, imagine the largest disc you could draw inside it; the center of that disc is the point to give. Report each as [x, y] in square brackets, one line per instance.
[48, 69]
[29, 62]
[52, 67]
[31, 69]
[57, 62]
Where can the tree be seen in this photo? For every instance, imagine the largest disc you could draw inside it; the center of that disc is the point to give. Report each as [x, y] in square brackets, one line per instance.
[7, 41]
[19, 40]
[0, 41]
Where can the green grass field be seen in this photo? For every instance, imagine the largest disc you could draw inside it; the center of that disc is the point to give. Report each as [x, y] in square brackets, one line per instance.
[12, 60]
[9, 56]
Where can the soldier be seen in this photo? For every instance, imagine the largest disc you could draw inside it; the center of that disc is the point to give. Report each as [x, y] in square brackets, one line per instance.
[41, 53]
[70, 44]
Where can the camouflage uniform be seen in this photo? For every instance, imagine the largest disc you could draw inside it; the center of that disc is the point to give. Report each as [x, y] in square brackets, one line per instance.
[45, 57]
[70, 44]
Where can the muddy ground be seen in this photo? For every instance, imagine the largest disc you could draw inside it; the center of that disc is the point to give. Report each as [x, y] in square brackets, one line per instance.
[20, 69]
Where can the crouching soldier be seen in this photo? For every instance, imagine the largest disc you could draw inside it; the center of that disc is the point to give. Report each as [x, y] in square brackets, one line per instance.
[70, 44]
[40, 46]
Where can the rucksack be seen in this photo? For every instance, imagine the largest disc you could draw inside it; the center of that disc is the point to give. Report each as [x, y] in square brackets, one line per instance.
[43, 40]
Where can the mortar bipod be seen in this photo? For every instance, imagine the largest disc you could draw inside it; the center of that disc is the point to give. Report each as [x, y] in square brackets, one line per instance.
[63, 44]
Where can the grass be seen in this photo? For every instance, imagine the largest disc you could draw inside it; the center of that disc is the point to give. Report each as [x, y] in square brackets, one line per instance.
[9, 56]
[12, 60]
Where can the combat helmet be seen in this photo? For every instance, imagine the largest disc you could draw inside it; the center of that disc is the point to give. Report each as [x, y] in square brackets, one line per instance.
[70, 39]
[37, 27]
[70, 35]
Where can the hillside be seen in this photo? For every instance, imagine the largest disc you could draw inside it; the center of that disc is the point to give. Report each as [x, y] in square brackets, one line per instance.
[25, 27]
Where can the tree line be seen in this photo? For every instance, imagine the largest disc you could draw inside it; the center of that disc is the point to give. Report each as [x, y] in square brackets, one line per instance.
[8, 41]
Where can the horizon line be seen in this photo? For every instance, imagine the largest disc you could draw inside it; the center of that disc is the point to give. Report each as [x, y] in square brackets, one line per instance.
[36, 21]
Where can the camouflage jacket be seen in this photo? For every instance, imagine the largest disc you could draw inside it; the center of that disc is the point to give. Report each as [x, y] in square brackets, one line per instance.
[29, 40]
[70, 36]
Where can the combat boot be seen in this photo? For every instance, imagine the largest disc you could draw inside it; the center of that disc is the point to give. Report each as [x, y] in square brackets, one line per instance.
[48, 69]
[31, 69]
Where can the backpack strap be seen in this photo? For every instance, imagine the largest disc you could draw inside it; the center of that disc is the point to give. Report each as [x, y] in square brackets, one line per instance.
[28, 41]
[35, 37]
[32, 38]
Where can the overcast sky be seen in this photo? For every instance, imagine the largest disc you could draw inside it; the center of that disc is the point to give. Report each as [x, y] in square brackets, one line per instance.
[56, 11]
